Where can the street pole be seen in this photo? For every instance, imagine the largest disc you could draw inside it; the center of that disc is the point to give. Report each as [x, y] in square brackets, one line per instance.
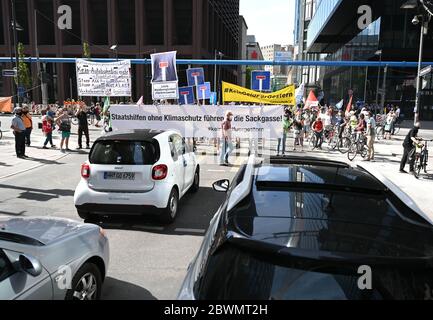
[424, 30]
[14, 19]
[365, 85]
[44, 90]
[215, 74]
[378, 80]
[384, 85]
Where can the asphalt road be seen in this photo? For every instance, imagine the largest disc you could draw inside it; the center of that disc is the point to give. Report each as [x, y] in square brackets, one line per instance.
[148, 261]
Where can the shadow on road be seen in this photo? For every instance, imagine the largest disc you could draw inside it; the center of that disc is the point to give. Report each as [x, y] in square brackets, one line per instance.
[196, 212]
[13, 213]
[2, 164]
[114, 289]
[39, 194]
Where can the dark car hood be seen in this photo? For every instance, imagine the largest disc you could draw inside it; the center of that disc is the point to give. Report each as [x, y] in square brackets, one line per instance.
[43, 229]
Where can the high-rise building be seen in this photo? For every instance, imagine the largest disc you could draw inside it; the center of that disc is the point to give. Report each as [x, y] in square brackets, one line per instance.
[194, 28]
[338, 32]
[279, 74]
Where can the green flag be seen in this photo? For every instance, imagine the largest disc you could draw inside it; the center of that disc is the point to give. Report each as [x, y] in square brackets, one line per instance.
[106, 104]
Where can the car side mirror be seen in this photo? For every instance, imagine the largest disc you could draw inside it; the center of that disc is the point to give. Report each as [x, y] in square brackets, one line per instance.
[30, 265]
[221, 185]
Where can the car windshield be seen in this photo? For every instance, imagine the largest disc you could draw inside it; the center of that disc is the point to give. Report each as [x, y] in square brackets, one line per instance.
[124, 152]
[234, 274]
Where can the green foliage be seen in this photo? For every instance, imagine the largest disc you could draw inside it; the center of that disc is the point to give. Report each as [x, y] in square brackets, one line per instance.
[248, 76]
[86, 50]
[24, 77]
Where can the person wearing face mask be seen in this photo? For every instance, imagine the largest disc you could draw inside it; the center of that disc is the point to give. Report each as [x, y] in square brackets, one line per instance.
[28, 123]
[226, 145]
[287, 124]
[64, 124]
[19, 129]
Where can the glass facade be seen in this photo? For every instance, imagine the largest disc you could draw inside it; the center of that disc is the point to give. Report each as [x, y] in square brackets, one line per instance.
[324, 12]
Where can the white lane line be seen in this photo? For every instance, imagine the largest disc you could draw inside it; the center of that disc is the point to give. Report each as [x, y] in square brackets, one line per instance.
[149, 228]
[190, 230]
[210, 170]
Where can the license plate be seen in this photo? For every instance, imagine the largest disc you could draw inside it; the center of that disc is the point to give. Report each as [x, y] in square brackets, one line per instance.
[119, 176]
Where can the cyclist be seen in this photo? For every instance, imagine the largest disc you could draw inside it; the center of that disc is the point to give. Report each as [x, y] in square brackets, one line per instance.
[318, 128]
[409, 145]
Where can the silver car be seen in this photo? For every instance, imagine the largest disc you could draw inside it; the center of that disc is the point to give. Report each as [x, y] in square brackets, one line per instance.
[51, 258]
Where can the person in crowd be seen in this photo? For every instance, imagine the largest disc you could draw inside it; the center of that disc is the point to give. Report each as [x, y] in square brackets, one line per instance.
[371, 136]
[361, 124]
[397, 119]
[318, 129]
[83, 127]
[47, 129]
[353, 121]
[287, 123]
[19, 129]
[388, 125]
[298, 133]
[28, 123]
[409, 145]
[307, 124]
[97, 112]
[341, 124]
[226, 145]
[64, 124]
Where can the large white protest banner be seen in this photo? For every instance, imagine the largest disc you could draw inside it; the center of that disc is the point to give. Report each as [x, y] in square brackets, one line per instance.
[200, 121]
[96, 79]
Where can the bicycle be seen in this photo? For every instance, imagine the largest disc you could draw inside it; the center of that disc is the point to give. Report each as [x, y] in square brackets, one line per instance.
[345, 141]
[358, 146]
[314, 142]
[1, 132]
[421, 157]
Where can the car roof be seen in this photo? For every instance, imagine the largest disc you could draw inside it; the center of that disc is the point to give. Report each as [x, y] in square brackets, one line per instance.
[131, 135]
[321, 205]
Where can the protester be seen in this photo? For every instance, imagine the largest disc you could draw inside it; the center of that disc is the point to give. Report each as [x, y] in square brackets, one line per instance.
[318, 128]
[47, 129]
[388, 125]
[307, 124]
[19, 129]
[64, 124]
[409, 146]
[226, 145]
[97, 112]
[28, 123]
[371, 136]
[287, 123]
[298, 133]
[83, 127]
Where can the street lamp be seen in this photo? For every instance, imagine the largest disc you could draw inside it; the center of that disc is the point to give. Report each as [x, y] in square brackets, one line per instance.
[114, 48]
[16, 28]
[378, 53]
[423, 19]
[220, 55]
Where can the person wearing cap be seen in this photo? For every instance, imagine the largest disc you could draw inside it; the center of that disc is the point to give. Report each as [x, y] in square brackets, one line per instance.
[409, 146]
[318, 132]
[19, 130]
[226, 146]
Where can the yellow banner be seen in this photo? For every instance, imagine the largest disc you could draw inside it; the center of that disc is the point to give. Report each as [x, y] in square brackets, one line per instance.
[234, 93]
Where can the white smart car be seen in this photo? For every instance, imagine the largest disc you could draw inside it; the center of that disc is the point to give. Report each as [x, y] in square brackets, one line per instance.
[137, 173]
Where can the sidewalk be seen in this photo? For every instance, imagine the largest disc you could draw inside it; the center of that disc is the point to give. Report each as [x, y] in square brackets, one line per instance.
[10, 165]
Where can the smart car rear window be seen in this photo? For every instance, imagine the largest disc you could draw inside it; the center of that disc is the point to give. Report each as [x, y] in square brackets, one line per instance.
[124, 153]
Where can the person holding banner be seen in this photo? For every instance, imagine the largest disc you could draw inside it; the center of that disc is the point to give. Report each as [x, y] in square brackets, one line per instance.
[226, 146]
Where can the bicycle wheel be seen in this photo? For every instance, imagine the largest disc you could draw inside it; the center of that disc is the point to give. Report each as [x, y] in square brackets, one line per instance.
[418, 166]
[397, 129]
[1, 134]
[380, 131]
[344, 144]
[332, 144]
[353, 151]
[363, 151]
[74, 120]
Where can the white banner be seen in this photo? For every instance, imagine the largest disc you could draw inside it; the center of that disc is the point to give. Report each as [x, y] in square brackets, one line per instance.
[165, 90]
[96, 79]
[200, 121]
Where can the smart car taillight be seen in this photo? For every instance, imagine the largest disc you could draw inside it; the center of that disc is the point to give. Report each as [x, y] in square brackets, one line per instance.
[159, 172]
[85, 171]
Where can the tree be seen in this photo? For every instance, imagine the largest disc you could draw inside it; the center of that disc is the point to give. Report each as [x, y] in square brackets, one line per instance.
[86, 50]
[24, 72]
[248, 76]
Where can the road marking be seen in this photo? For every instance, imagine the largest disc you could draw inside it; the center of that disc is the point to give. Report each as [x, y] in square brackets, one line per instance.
[149, 228]
[199, 231]
[210, 170]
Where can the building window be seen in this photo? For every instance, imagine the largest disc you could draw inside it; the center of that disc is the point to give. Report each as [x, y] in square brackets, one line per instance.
[125, 16]
[182, 22]
[154, 13]
[72, 37]
[308, 9]
[98, 28]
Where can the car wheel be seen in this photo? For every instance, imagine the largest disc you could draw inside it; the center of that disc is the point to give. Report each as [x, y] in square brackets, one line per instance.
[196, 184]
[86, 284]
[170, 212]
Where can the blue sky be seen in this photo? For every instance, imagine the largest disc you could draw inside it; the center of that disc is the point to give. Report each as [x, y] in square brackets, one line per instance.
[271, 21]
